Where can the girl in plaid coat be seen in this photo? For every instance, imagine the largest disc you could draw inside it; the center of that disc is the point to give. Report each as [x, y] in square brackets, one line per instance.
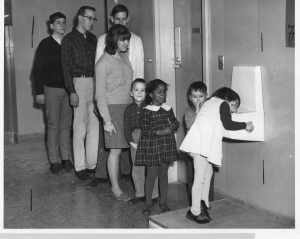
[157, 146]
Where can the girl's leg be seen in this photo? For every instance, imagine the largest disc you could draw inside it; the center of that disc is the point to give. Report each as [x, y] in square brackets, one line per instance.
[206, 184]
[200, 167]
[113, 170]
[152, 173]
[163, 183]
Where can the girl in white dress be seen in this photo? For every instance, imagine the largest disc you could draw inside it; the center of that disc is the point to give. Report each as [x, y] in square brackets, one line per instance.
[204, 143]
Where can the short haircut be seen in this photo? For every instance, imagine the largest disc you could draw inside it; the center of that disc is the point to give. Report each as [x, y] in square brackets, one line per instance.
[137, 80]
[119, 8]
[55, 16]
[116, 33]
[152, 86]
[196, 86]
[227, 94]
[81, 12]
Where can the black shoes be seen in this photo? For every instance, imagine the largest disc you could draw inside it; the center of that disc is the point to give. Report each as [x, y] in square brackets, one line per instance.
[147, 210]
[199, 218]
[95, 181]
[91, 171]
[136, 200]
[55, 168]
[67, 165]
[164, 208]
[204, 210]
[83, 174]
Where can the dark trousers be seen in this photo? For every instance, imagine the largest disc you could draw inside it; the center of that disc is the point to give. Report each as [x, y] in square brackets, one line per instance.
[101, 170]
[162, 173]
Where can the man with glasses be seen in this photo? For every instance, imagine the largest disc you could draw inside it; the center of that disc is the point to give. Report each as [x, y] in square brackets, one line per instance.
[78, 60]
[119, 15]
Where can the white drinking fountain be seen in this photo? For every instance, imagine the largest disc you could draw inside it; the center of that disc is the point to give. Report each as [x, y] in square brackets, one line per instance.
[247, 82]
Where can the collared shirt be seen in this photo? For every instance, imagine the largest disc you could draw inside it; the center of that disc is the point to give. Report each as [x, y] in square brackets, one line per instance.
[58, 40]
[157, 107]
[136, 54]
[132, 119]
[156, 149]
[155, 118]
[77, 56]
[47, 68]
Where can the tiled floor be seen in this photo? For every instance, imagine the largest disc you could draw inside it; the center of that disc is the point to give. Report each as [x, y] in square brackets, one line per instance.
[225, 214]
[35, 198]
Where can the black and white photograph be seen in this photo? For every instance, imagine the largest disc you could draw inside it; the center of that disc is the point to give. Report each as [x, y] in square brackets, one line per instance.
[157, 115]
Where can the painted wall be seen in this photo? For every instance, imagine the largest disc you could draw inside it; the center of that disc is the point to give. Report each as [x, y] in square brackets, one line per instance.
[30, 118]
[236, 27]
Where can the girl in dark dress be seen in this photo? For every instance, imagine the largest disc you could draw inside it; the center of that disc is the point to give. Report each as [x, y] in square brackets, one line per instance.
[157, 146]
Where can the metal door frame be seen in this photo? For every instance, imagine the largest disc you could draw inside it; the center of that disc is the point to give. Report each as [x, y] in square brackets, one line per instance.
[10, 102]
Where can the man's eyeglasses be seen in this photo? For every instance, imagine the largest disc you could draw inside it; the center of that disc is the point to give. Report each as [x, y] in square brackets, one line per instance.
[91, 18]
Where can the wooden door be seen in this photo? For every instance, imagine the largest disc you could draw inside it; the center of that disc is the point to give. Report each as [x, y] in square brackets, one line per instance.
[141, 23]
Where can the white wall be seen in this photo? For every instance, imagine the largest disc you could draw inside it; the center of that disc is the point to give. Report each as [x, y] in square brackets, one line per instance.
[236, 27]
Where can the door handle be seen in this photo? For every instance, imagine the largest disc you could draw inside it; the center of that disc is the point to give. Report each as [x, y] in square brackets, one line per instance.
[177, 42]
[150, 60]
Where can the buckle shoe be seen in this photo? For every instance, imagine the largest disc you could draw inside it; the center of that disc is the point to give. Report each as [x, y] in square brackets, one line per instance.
[198, 219]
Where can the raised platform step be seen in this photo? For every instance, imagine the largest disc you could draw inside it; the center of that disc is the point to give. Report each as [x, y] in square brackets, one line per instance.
[226, 214]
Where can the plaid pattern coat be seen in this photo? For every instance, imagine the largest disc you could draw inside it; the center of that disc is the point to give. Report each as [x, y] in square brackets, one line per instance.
[152, 149]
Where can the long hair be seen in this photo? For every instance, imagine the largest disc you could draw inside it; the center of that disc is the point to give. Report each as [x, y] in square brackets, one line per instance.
[151, 87]
[227, 94]
[116, 33]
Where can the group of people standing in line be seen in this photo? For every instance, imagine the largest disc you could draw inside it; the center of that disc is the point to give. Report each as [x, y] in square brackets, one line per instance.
[115, 108]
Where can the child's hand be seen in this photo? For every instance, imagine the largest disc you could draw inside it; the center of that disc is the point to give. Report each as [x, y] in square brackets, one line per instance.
[133, 145]
[165, 131]
[109, 127]
[249, 126]
[197, 106]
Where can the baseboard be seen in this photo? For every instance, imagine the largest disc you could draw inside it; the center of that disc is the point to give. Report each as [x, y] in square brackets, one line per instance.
[10, 138]
[31, 138]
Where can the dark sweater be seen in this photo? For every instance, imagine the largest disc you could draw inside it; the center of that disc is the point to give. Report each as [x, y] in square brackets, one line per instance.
[227, 122]
[47, 66]
[132, 119]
